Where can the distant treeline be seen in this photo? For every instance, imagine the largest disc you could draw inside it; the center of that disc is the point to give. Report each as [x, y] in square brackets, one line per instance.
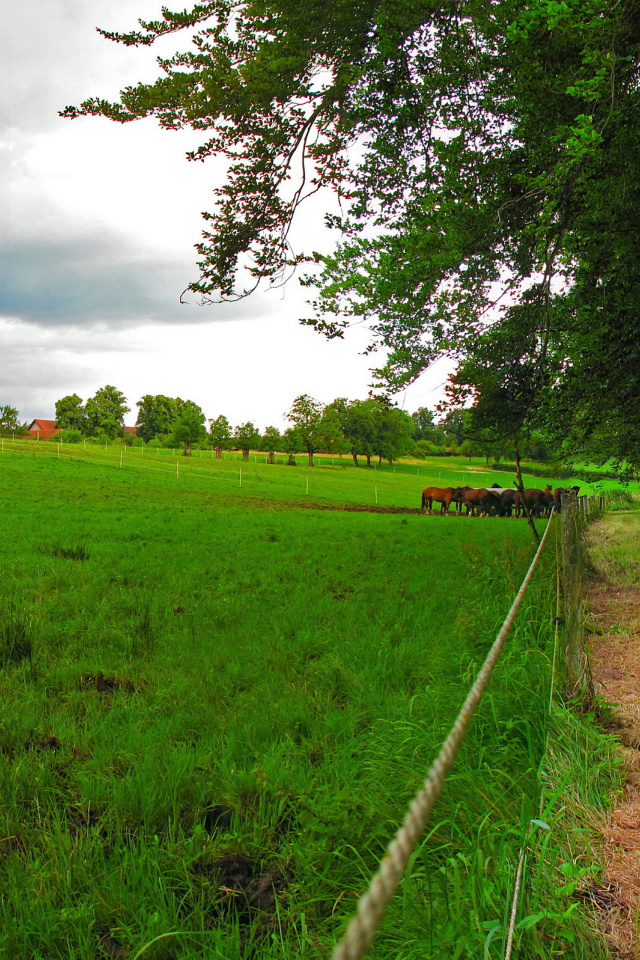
[369, 428]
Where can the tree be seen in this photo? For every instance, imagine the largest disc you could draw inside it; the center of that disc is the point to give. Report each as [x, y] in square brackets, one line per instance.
[423, 424]
[247, 438]
[360, 428]
[156, 415]
[271, 441]
[496, 165]
[188, 427]
[9, 422]
[70, 414]
[306, 416]
[105, 412]
[394, 433]
[292, 443]
[220, 430]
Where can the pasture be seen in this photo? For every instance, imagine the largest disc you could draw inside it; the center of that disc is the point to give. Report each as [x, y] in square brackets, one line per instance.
[217, 705]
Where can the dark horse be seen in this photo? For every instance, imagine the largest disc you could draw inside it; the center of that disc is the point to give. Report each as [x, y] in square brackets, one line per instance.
[482, 500]
[442, 495]
[557, 496]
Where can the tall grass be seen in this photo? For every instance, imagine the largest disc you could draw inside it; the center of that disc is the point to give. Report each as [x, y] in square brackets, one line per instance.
[230, 704]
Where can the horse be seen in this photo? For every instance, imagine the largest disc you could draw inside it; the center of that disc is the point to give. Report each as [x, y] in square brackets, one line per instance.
[537, 501]
[481, 499]
[507, 498]
[458, 495]
[442, 495]
[557, 496]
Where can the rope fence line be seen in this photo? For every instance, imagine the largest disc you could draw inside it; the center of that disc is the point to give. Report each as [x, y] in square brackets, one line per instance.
[372, 905]
[525, 845]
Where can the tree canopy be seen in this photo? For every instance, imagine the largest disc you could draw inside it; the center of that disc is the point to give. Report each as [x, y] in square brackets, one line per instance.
[70, 414]
[104, 412]
[485, 158]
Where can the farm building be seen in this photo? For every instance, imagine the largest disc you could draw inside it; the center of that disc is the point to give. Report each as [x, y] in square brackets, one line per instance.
[42, 429]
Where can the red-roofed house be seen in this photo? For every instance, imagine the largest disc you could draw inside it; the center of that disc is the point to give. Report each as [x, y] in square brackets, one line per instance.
[132, 430]
[42, 429]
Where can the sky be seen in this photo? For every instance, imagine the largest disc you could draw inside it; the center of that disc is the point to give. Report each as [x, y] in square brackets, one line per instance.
[98, 223]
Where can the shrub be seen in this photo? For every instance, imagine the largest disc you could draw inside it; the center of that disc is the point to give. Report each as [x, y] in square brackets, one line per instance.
[620, 500]
[69, 436]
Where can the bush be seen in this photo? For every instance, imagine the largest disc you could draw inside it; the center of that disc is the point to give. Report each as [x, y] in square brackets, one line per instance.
[621, 500]
[557, 471]
[68, 436]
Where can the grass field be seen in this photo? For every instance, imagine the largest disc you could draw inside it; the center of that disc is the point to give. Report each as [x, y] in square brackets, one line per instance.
[217, 705]
[331, 481]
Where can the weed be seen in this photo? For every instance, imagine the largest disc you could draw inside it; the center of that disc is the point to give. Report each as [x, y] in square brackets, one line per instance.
[16, 636]
[75, 552]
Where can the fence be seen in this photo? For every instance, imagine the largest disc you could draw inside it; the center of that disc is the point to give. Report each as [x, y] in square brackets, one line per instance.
[576, 513]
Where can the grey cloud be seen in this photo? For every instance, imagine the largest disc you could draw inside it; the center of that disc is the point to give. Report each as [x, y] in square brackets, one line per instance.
[89, 280]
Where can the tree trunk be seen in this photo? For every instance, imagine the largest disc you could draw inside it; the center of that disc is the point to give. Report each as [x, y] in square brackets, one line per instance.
[187, 450]
[245, 454]
[355, 458]
[520, 487]
[218, 453]
[292, 460]
[368, 459]
[271, 457]
[310, 454]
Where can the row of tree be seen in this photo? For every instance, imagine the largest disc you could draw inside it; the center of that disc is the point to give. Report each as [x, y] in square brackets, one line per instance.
[367, 428]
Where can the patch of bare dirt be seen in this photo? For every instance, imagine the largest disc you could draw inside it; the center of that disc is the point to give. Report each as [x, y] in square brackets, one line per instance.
[102, 684]
[615, 660]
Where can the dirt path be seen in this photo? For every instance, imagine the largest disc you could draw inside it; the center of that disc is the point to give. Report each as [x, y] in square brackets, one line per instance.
[614, 605]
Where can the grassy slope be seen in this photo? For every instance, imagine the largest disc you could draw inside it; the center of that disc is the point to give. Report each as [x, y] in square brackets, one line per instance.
[274, 685]
[332, 481]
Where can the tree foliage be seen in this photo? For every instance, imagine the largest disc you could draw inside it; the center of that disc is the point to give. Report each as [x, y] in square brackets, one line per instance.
[105, 412]
[314, 430]
[9, 420]
[247, 437]
[189, 425]
[221, 433]
[485, 157]
[156, 415]
[70, 414]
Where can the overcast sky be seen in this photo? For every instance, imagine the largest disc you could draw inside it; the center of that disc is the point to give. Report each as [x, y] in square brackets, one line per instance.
[97, 227]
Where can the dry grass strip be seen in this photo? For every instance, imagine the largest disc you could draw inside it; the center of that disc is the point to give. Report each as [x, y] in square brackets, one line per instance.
[615, 660]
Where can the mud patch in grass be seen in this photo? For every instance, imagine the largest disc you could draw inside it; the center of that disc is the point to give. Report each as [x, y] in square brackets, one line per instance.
[245, 888]
[101, 684]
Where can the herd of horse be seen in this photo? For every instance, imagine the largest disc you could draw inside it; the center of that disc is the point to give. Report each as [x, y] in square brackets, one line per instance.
[495, 500]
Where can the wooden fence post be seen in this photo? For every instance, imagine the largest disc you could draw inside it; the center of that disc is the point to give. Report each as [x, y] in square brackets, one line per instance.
[573, 514]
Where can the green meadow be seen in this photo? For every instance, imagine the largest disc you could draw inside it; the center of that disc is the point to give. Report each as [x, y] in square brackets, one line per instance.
[219, 697]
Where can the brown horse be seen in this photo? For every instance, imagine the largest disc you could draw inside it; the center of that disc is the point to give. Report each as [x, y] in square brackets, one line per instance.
[458, 495]
[557, 495]
[480, 499]
[442, 495]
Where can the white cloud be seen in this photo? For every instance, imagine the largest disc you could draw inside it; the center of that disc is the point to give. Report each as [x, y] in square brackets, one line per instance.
[98, 222]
